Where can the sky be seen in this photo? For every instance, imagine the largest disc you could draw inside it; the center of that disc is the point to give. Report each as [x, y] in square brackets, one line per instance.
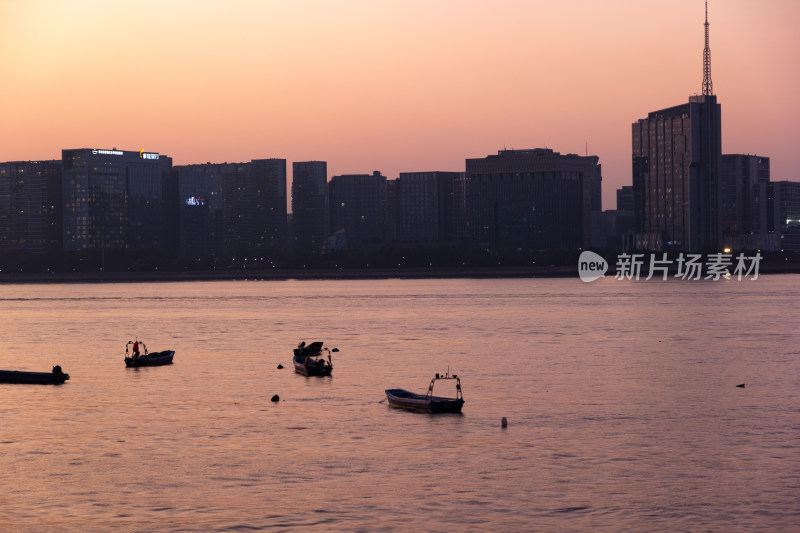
[395, 86]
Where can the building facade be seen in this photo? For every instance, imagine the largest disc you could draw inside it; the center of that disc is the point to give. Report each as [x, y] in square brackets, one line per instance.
[254, 195]
[538, 199]
[677, 156]
[232, 209]
[30, 206]
[115, 199]
[358, 207]
[625, 198]
[787, 199]
[310, 216]
[201, 220]
[738, 175]
[431, 207]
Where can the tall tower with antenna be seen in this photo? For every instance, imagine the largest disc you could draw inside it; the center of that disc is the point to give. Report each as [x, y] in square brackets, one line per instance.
[677, 191]
[708, 87]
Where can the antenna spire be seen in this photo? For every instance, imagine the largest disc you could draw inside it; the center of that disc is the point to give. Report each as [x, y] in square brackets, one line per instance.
[708, 87]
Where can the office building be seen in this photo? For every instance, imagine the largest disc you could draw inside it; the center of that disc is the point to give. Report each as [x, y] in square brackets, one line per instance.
[788, 212]
[775, 223]
[625, 198]
[115, 199]
[358, 207]
[677, 155]
[538, 199]
[676, 161]
[431, 207]
[199, 205]
[255, 201]
[738, 175]
[30, 206]
[310, 216]
[233, 209]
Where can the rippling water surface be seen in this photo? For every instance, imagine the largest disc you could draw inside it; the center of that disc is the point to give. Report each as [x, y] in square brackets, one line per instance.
[621, 399]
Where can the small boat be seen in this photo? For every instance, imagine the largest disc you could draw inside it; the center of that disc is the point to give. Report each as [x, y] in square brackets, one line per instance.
[428, 402]
[56, 377]
[137, 358]
[309, 360]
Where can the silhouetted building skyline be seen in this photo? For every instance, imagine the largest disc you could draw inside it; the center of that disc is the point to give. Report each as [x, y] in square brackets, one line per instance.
[516, 200]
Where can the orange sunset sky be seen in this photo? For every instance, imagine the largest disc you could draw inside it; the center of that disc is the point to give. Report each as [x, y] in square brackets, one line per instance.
[395, 86]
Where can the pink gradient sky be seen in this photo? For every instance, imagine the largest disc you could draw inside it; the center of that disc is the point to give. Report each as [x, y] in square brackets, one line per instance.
[395, 86]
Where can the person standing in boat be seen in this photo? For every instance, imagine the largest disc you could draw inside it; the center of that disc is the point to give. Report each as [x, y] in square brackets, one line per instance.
[136, 349]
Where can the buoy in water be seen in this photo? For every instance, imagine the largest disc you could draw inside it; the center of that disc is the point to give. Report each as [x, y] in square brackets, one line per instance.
[504, 422]
[280, 366]
[276, 398]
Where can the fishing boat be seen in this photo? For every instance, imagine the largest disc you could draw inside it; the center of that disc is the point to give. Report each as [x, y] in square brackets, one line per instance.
[136, 354]
[310, 361]
[56, 377]
[428, 402]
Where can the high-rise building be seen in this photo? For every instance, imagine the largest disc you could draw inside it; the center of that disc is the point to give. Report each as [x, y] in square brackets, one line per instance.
[417, 201]
[676, 161]
[522, 200]
[611, 229]
[677, 155]
[309, 205]
[738, 174]
[200, 210]
[30, 206]
[775, 222]
[625, 198]
[392, 225]
[115, 199]
[788, 212]
[265, 202]
[431, 207]
[358, 207]
[233, 208]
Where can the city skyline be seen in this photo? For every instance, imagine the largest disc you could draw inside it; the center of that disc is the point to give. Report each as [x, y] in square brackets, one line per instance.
[395, 87]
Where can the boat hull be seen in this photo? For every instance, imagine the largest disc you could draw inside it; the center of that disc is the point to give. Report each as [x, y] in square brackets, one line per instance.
[419, 402]
[151, 359]
[34, 378]
[311, 370]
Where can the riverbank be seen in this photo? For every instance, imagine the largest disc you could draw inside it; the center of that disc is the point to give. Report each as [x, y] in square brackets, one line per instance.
[361, 273]
[276, 274]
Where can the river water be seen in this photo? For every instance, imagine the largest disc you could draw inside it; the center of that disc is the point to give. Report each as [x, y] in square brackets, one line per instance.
[621, 398]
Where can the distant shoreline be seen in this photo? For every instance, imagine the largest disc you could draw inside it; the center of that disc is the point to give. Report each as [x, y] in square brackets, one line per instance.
[323, 274]
[277, 275]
